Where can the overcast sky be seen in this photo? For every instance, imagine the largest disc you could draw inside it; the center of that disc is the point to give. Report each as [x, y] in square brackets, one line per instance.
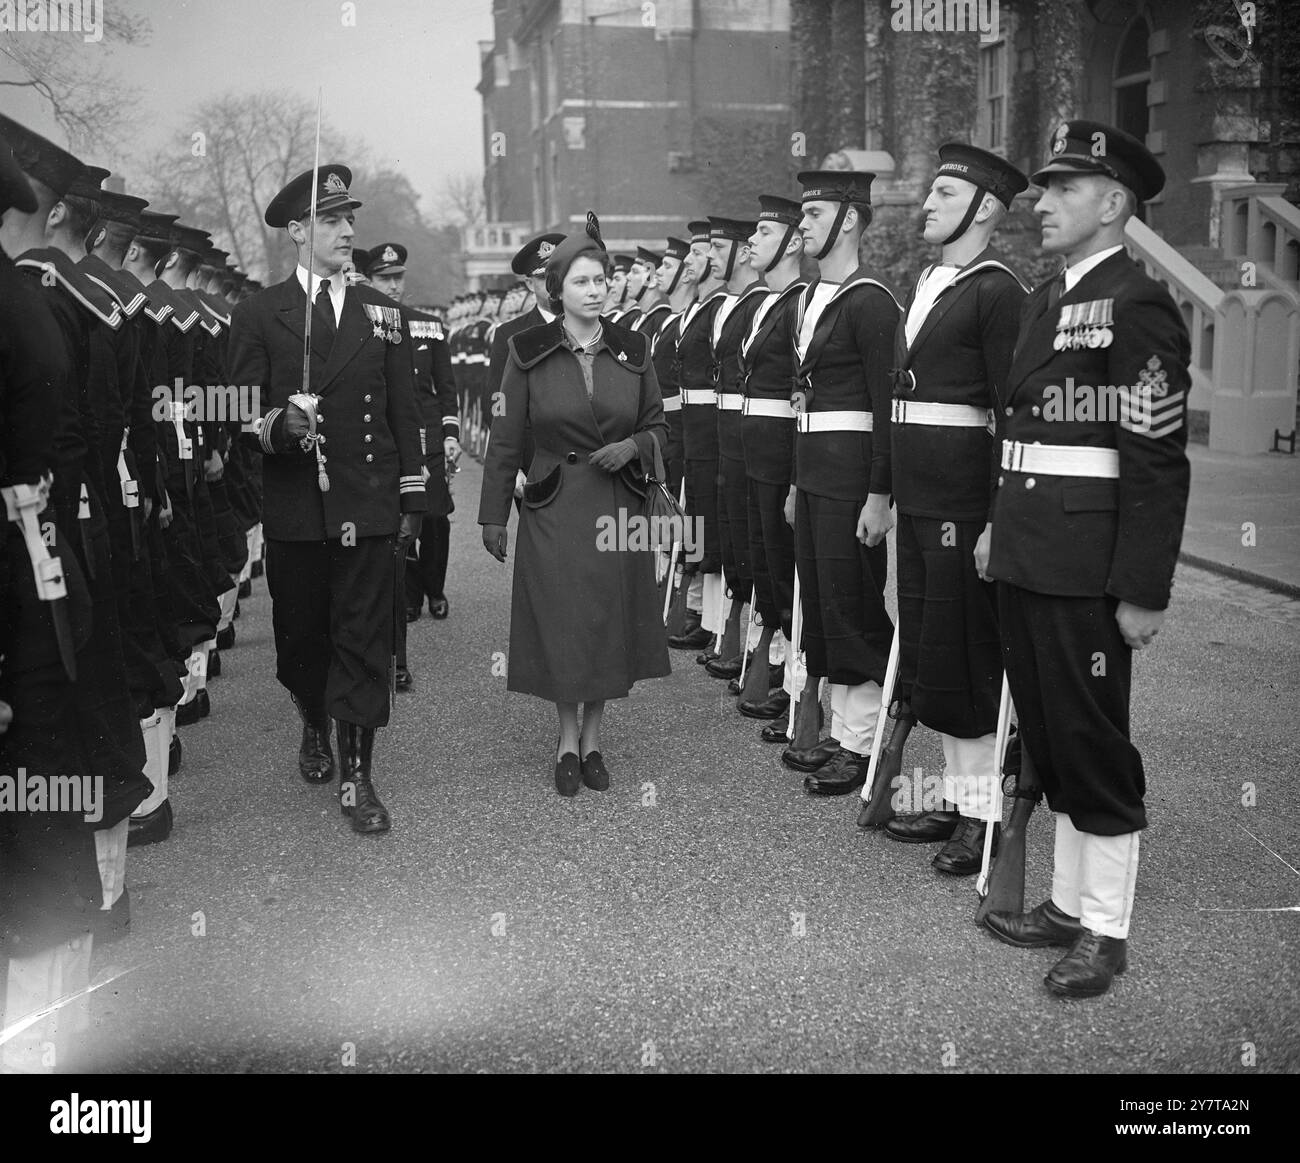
[402, 80]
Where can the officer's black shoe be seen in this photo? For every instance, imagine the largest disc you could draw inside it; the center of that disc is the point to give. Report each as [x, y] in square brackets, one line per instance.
[246, 588]
[964, 852]
[315, 759]
[775, 706]
[175, 755]
[693, 636]
[151, 828]
[214, 664]
[439, 608]
[724, 668]
[357, 796]
[594, 774]
[257, 570]
[1090, 966]
[402, 680]
[846, 772]
[1044, 925]
[774, 733]
[923, 827]
[413, 613]
[810, 758]
[226, 637]
[109, 925]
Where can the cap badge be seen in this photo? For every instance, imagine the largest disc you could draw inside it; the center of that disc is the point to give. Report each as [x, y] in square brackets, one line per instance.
[544, 249]
[1058, 143]
[389, 255]
[334, 184]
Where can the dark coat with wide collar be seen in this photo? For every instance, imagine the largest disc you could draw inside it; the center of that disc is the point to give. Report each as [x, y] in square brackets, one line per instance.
[1089, 537]
[367, 398]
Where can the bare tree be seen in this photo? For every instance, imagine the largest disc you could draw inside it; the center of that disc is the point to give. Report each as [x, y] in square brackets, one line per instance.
[223, 167]
[93, 106]
[462, 202]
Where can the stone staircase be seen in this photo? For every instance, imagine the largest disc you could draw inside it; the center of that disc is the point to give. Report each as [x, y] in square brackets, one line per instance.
[1214, 265]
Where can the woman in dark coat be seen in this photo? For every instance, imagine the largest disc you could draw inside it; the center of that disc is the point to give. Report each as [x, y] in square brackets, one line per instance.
[584, 613]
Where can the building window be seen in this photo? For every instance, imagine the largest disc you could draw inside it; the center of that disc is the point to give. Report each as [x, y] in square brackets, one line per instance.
[1132, 76]
[991, 126]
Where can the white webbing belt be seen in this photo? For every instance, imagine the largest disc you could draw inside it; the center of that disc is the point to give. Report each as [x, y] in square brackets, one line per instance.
[672, 403]
[941, 415]
[1063, 460]
[846, 421]
[730, 402]
[705, 396]
[130, 488]
[776, 409]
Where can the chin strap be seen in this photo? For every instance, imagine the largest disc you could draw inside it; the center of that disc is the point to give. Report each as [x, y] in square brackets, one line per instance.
[681, 266]
[968, 217]
[731, 261]
[780, 250]
[834, 231]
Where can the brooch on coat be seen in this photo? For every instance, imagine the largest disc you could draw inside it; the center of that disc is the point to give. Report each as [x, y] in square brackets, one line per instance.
[387, 322]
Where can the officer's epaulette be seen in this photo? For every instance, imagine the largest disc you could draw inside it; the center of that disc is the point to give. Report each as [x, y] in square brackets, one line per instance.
[529, 347]
[123, 286]
[54, 264]
[426, 329]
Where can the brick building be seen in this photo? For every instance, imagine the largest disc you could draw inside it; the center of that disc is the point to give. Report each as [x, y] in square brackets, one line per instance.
[648, 113]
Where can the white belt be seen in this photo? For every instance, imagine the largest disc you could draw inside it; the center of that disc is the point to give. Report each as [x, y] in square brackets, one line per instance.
[1062, 460]
[834, 421]
[23, 504]
[699, 396]
[130, 489]
[672, 403]
[941, 415]
[777, 409]
[730, 402]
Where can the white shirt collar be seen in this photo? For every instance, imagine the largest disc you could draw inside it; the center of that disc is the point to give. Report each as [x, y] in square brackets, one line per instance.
[338, 289]
[547, 316]
[1074, 273]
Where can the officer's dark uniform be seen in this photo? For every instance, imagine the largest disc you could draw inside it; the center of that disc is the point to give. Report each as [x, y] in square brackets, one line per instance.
[842, 455]
[948, 390]
[1089, 513]
[331, 513]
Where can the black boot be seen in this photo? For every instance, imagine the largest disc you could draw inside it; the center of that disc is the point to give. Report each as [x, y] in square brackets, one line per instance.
[175, 755]
[357, 795]
[226, 637]
[315, 759]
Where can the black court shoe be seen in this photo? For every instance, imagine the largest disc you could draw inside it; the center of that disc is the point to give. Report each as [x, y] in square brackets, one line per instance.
[568, 773]
[594, 774]
[402, 679]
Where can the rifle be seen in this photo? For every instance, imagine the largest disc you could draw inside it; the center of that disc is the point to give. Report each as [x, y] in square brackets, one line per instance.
[1000, 751]
[886, 759]
[803, 729]
[1006, 883]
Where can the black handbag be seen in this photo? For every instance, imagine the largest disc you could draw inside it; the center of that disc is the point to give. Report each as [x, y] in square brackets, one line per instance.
[664, 516]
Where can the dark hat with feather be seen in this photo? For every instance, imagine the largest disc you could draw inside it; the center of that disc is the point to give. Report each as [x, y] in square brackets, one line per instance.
[582, 242]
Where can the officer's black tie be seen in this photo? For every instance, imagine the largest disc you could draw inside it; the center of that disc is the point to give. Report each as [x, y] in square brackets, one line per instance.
[324, 311]
[1056, 290]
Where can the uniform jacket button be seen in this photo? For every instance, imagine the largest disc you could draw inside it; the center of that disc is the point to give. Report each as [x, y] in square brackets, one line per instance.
[1011, 412]
[366, 417]
[1030, 483]
[1001, 481]
[367, 399]
[1036, 410]
[369, 438]
[370, 456]
[572, 458]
